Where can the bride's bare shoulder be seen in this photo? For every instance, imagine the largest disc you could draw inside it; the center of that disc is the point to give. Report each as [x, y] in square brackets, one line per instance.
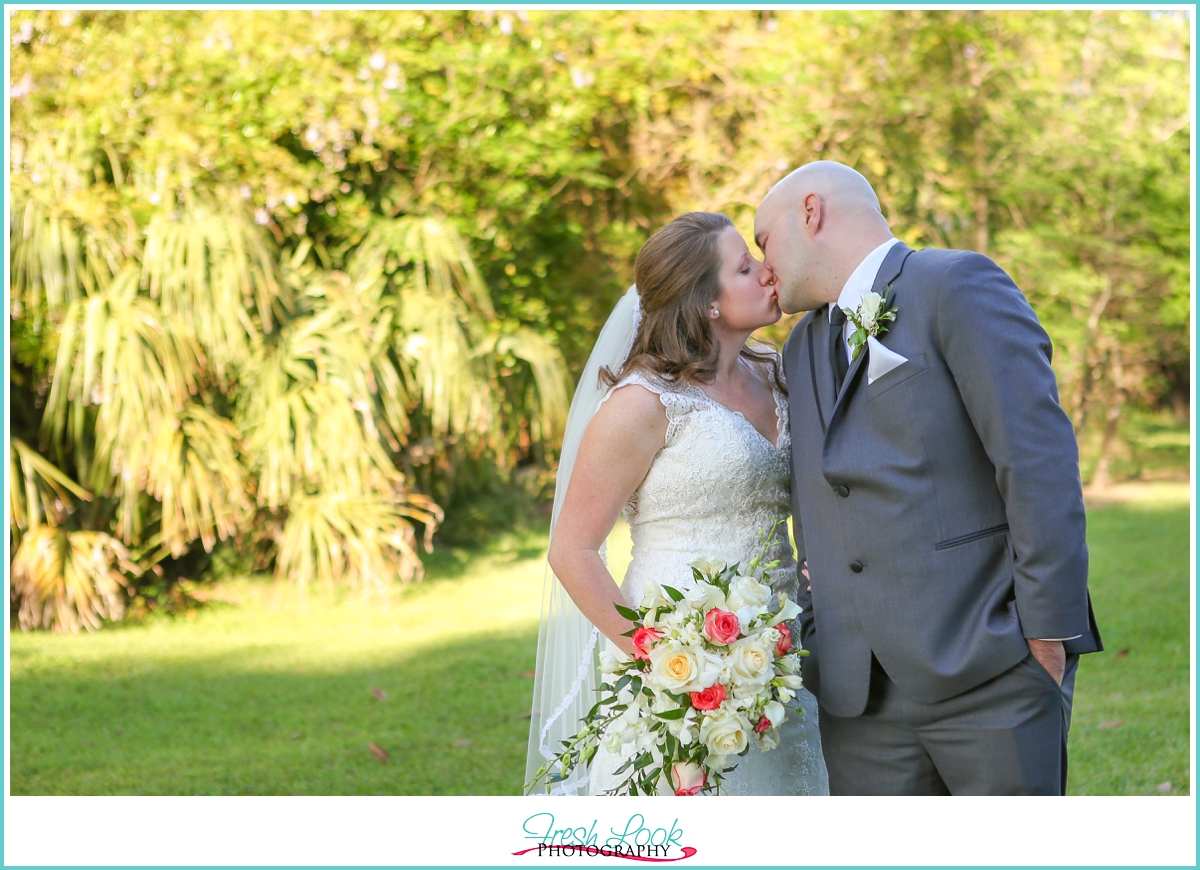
[635, 403]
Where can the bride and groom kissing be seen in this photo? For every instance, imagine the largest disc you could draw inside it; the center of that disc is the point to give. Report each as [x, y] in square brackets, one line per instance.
[911, 428]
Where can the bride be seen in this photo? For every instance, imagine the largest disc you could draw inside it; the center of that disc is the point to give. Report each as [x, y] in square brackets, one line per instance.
[680, 425]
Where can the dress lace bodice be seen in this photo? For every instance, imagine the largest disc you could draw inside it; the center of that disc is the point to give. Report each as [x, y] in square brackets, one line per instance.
[716, 486]
[712, 489]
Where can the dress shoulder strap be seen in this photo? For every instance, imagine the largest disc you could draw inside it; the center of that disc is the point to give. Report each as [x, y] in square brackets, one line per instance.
[677, 398]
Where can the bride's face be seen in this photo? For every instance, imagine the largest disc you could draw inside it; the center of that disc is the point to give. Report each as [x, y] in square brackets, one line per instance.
[747, 299]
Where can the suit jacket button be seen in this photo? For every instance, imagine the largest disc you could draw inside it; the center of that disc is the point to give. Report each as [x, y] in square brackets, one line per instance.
[856, 566]
[842, 490]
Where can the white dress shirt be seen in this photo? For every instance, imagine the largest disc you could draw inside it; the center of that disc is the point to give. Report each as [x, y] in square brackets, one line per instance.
[861, 281]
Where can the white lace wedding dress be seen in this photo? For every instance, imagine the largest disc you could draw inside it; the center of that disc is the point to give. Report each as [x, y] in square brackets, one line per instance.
[714, 485]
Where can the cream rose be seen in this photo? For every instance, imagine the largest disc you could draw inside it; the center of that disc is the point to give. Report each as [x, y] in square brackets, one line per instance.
[682, 669]
[751, 661]
[725, 732]
[748, 592]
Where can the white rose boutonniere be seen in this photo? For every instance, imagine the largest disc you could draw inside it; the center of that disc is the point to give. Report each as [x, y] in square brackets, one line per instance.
[870, 319]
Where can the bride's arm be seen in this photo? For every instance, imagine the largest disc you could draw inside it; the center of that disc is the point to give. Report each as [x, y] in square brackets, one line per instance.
[614, 456]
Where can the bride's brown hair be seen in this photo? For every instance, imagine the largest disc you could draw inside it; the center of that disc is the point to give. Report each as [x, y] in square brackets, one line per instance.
[678, 277]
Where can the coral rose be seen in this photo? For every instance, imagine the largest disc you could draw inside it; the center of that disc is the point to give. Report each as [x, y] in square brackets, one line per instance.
[721, 626]
[710, 698]
[642, 639]
[785, 642]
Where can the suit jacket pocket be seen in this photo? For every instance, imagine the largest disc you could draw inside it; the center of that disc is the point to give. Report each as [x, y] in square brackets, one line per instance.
[901, 373]
[974, 536]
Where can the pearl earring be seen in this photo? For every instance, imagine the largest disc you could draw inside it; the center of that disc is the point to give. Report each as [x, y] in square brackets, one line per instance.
[716, 313]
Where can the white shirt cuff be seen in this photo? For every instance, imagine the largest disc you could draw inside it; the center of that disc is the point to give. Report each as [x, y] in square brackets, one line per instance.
[1059, 639]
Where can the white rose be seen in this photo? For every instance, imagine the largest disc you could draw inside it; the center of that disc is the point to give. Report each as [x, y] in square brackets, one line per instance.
[705, 596]
[680, 669]
[868, 309]
[751, 661]
[608, 662]
[724, 732]
[747, 592]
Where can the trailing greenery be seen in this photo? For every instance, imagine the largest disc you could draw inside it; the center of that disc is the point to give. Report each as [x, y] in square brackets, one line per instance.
[293, 284]
[267, 694]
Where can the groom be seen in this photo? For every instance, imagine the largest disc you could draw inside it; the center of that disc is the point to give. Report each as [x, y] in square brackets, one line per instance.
[936, 500]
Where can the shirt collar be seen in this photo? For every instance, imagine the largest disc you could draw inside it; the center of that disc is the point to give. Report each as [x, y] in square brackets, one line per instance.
[863, 278]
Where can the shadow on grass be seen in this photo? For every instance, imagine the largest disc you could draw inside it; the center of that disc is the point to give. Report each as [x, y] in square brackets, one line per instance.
[453, 722]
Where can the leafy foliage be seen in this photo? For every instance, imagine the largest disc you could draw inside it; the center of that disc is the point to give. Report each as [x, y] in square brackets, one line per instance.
[272, 264]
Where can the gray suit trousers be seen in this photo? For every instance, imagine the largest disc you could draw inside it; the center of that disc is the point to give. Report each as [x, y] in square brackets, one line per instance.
[1006, 736]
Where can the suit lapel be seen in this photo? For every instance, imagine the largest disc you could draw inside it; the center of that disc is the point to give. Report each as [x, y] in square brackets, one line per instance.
[889, 271]
[818, 367]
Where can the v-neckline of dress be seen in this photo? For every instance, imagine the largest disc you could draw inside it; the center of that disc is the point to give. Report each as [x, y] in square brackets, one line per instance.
[775, 394]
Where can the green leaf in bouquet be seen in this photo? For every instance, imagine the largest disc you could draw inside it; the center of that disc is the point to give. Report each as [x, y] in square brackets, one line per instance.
[677, 713]
[644, 760]
[628, 613]
[635, 684]
[675, 594]
[696, 575]
[648, 692]
[623, 682]
[624, 767]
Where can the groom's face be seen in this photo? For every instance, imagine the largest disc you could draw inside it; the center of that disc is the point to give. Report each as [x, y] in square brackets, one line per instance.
[789, 252]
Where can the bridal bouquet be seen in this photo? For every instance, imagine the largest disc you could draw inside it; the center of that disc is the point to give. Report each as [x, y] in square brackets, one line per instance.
[712, 673]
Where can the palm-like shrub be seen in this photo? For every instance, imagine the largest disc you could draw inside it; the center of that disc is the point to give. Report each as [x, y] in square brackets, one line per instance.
[202, 385]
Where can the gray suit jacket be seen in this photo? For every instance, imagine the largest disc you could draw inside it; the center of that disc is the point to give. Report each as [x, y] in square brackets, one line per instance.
[939, 508]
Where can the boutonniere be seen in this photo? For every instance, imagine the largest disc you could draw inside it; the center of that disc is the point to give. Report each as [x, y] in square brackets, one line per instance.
[870, 319]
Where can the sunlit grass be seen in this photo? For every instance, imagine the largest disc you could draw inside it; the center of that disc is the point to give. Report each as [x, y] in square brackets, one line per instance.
[262, 694]
[1129, 733]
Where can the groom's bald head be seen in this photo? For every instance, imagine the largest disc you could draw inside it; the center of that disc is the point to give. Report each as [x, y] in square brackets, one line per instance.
[834, 181]
[815, 226]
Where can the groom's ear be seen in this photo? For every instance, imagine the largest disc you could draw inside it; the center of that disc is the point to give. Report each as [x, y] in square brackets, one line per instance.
[812, 213]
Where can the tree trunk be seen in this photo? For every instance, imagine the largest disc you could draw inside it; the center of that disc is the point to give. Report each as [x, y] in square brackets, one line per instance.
[1102, 478]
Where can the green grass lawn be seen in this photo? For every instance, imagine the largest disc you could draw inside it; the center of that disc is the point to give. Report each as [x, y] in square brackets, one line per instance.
[261, 694]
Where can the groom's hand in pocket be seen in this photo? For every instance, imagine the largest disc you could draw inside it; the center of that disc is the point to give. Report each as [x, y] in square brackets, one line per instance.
[1050, 655]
